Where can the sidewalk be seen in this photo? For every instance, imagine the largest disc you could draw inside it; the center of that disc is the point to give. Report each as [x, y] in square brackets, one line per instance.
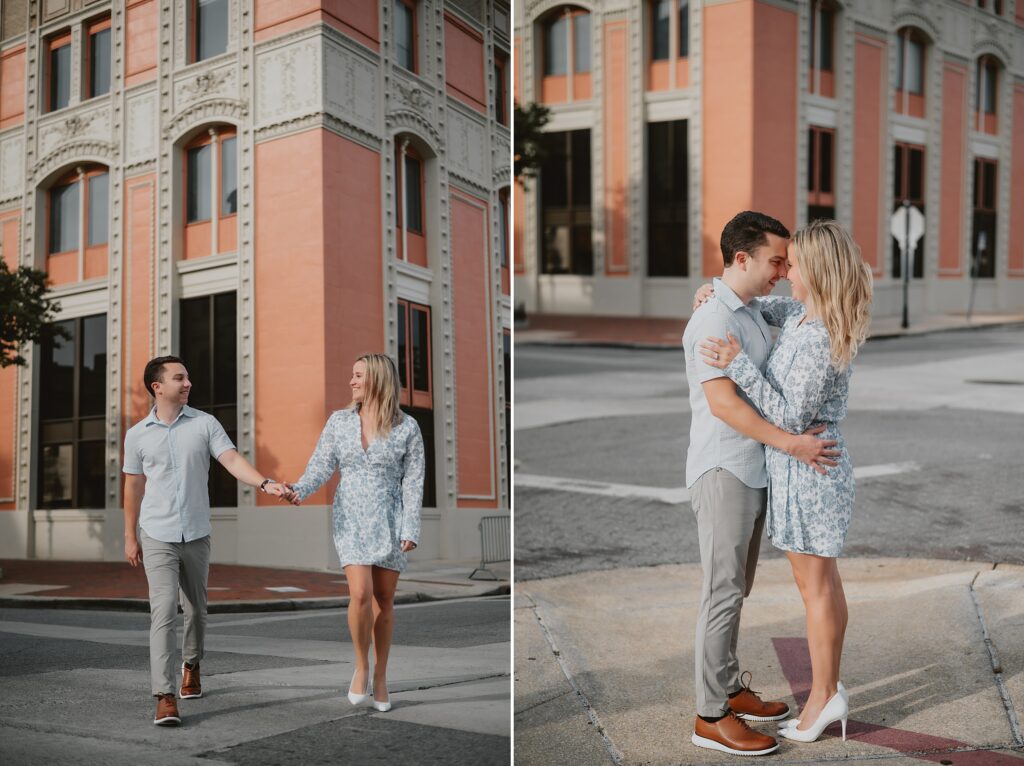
[934, 663]
[116, 585]
[648, 332]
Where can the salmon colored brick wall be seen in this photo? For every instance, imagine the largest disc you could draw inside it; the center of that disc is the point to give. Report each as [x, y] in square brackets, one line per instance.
[137, 309]
[616, 148]
[356, 18]
[775, 103]
[952, 196]
[289, 333]
[1015, 266]
[12, 87]
[464, 64]
[728, 97]
[869, 87]
[142, 25]
[475, 425]
[10, 238]
[353, 281]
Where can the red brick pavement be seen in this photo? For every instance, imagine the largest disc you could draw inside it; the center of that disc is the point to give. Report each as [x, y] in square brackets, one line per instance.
[603, 329]
[101, 579]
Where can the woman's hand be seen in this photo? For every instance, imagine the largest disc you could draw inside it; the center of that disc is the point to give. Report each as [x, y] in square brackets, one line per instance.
[719, 353]
[704, 292]
[407, 545]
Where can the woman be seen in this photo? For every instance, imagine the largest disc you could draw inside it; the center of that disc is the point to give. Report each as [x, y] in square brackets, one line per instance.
[379, 452]
[806, 384]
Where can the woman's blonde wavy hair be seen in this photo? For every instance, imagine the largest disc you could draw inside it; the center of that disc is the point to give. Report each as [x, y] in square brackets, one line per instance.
[381, 388]
[838, 282]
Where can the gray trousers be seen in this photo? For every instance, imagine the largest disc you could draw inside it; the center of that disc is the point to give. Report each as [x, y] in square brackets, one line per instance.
[730, 518]
[171, 567]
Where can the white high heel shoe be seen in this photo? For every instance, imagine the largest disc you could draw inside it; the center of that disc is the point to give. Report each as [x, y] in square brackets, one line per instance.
[382, 707]
[840, 689]
[359, 699]
[836, 709]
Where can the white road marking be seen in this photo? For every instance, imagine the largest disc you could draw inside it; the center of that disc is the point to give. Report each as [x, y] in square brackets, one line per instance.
[669, 495]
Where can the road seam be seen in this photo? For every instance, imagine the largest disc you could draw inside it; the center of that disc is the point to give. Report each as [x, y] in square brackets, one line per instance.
[997, 668]
[588, 709]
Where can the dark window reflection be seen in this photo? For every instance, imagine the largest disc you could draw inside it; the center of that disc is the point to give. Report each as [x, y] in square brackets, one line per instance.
[667, 199]
[567, 237]
[228, 177]
[211, 28]
[402, 351]
[60, 77]
[198, 191]
[99, 63]
[420, 350]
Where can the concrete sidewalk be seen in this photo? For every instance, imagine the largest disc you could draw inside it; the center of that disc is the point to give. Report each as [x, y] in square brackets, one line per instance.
[116, 585]
[647, 332]
[934, 662]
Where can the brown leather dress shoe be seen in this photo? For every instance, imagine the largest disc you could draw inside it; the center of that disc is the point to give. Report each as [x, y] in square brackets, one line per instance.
[190, 684]
[166, 711]
[733, 736]
[746, 704]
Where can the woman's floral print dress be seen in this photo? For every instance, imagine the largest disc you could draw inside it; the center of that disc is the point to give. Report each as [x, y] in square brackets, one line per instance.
[380, 495]
[807, 512]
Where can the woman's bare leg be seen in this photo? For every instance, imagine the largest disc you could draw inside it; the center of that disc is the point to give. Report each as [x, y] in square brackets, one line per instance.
[360, 620]
[384, 583]
[817, 578]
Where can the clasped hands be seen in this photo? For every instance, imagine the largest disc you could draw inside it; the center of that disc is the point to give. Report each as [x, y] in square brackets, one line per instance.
[284, 491]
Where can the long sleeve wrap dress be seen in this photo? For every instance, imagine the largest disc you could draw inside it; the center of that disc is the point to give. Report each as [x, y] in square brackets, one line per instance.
[380, 495]
[807, 512]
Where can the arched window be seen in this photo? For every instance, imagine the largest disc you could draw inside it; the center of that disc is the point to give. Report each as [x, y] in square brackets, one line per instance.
[210, 181]
[78, 225]
[987, 96]
[910, 71]
[410, 184]
[566, 64]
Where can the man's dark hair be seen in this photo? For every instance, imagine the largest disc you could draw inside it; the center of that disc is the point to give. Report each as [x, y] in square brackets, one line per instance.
[747, 231]
[154, 369]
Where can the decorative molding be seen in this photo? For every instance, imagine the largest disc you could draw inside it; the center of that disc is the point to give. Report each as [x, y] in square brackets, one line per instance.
[288, 82]
[221, 82]
[92, 123]
[141, 128]
[12, 167]
[81, 151]
[220, 110]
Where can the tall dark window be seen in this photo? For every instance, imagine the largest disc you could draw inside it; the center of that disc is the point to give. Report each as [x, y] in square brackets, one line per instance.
[684, 28]
[198, 184]
[60, 73]
[405, 34]
[98, 82]
[820, 164]
[581, 42]
[556, 47]
[72, 402]
[667, 199]
[822, 24]
[908, 165]
[209, 341]
[414, 193]
[501, 89]
[210, 27]
[98, 209]
[661, 27]
[504, 241]
[564, 28]
[983, 234]
[986, 91]
[228, 177]
[565, 204]
[414, 373]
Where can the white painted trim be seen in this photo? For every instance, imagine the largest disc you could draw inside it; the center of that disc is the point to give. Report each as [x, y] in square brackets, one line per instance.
[82, 299]
[911, 134]
[571, 119]
[822, 116]
[412, 282]
[202, 278]
[982, 147]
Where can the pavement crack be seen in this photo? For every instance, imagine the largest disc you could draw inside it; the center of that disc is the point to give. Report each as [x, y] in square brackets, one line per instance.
[535, 705]
[588, 708]
[997, 669]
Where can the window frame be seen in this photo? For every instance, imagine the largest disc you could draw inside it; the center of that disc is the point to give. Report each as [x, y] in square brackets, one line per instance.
[92, 28]
[577, 216]
[816, 196]
[502, 88]
[413, 401]
[569, 14]
[193, 33]
[83, 232]
[224, 223]
[414, 42]
[984, 217]
[55, 42]
[661, 265]
[822, 78]
[901, 176]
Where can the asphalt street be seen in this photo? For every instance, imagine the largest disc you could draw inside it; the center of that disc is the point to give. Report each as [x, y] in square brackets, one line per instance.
[934, 431]
[74, 689]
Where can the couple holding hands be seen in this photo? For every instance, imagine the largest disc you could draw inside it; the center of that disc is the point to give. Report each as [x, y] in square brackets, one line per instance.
[375, 517]
[789, 396]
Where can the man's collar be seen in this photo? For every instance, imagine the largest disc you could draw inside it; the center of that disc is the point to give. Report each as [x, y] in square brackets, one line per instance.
[186, 411]
[726, 294]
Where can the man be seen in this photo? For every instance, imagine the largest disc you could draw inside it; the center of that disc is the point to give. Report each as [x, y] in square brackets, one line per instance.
[167, 464]
[725, 473]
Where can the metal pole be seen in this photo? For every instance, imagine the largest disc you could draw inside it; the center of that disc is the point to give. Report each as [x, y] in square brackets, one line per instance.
[905, 256]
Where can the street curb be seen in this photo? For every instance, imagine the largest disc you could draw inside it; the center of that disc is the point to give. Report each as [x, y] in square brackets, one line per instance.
[886, 335]
[226, 607]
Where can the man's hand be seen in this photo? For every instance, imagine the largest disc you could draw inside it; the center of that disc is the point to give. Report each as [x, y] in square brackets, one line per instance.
[133, 551]
[815, 452]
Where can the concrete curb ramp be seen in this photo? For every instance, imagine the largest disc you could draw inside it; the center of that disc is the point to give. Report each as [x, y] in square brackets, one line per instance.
[934, 661]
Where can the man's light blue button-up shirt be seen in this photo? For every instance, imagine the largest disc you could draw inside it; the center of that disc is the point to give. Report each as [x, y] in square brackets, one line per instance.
[713, 444]
[175, 459]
